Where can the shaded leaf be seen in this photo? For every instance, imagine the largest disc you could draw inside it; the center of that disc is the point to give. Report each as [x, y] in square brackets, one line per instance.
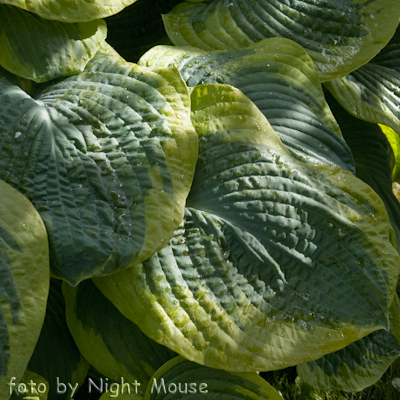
[24, 284]
[184, 379]
[56, 343]
[32, 386]
[371, 152]
[112, 344]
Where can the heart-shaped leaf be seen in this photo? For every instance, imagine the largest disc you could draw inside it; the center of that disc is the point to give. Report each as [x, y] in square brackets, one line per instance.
[24, 284]
[107, 157]
[279, 77]
[340, 35]
[275, 262]
[41, 50]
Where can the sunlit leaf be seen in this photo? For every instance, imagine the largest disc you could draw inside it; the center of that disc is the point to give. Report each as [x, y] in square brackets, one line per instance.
[279, 77]
[340, 35]
[41, 50]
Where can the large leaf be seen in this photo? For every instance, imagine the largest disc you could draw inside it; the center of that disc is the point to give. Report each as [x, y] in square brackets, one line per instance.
[276, 261]
[56, 343]
[112, 344]
[107, 158]
[24, 284]
[71, 10]
[279, 77]
[183, 379]
[340, 35]
[359, 365]
[41, 50]
[372, 92]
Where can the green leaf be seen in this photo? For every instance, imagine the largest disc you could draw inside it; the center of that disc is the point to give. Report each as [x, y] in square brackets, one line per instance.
[279, 77]
[23, 293]
[371, 152]
[112, 344]
[55, 343]
[71, 10]
[37, 49]
[107, 158]
[184, 379]
[340, 35]
[359, 365]
[275, 262]
[372, 92]
[394, 140]
[31, 386]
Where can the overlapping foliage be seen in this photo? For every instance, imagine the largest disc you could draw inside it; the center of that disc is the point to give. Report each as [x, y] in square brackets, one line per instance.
[211, 201]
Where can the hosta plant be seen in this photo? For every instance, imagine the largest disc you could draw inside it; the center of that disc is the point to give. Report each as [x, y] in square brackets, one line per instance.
[221, 207]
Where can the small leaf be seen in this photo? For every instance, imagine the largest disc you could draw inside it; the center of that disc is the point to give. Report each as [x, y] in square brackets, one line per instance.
[40, 50]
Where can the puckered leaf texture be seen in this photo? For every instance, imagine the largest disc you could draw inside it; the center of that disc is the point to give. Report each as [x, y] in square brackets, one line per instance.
[276, 262]
[106, 157]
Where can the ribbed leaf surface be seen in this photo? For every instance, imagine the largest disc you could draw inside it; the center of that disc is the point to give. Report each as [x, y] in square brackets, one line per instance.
[112, 344]
[276, 261]
[107, 158]
[359, 365]
[372, 92]
[340, 35]
[279, 77]
[23, 293]
[41, 50]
